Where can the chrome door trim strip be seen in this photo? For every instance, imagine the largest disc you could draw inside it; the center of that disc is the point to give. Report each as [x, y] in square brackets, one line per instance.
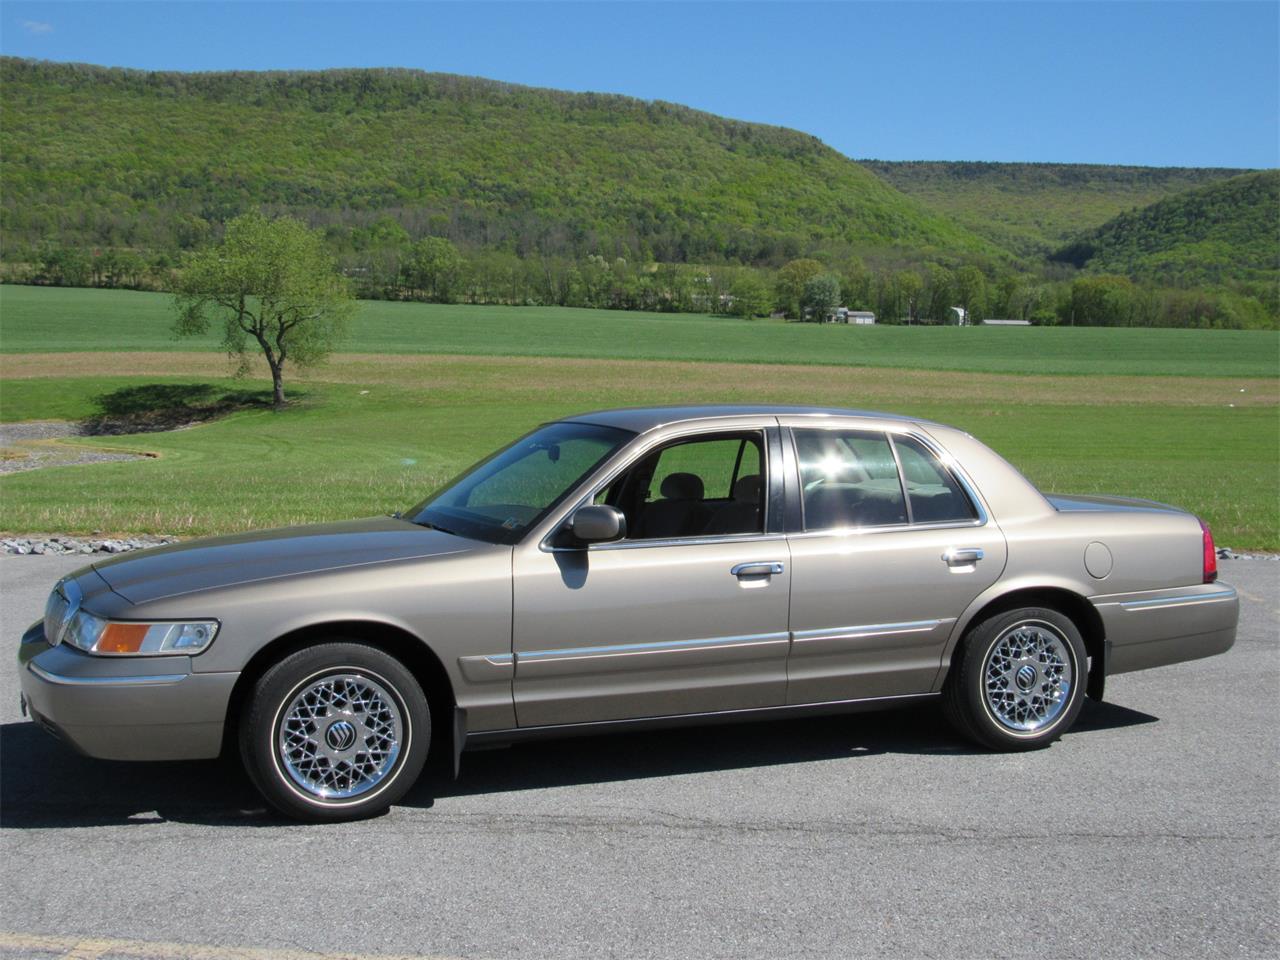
[1181, 600]
[153, 680]
[662, 646]
[870, 630]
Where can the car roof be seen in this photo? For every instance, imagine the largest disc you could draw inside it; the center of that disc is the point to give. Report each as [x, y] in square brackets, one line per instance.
[642, 419]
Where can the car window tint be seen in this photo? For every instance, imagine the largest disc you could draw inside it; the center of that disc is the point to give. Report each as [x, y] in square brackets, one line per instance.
[498, 498]
[936, 496]
[713, 486]
[537, 477]
[848, 479]
[712, 461]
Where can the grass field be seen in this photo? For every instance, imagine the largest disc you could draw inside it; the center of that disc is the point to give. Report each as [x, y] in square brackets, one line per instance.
[374, 432]
[50, 319]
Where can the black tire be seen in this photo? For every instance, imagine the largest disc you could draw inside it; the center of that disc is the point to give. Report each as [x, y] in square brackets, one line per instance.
[370, 741]
[992, 720]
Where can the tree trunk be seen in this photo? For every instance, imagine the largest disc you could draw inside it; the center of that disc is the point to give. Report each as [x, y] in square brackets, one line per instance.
[277, 384]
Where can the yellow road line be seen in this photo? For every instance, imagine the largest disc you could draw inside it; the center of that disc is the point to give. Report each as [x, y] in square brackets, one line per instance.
[82, 948]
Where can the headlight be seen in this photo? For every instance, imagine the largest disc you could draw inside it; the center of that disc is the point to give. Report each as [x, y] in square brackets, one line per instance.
[95, 635]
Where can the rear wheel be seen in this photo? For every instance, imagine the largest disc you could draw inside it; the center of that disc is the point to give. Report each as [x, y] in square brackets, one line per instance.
[1019, 681]
[337, 731]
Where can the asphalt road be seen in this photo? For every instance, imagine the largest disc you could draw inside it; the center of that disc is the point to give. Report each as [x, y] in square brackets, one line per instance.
[1149, 831]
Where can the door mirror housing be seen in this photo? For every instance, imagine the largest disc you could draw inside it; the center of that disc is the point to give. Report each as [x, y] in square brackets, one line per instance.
[597, 523]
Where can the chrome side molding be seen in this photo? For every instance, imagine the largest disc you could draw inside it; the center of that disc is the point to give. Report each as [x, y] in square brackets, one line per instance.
[153, 680]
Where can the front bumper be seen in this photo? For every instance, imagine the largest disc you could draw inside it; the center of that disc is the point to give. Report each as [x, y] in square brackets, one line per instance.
[1159, 627]
[123, 708]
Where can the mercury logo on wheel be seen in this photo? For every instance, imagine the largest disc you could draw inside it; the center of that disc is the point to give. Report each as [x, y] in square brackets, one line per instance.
[1026, 676]
[340, 735]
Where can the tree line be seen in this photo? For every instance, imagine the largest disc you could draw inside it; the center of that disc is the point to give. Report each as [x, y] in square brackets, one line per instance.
[435, 270]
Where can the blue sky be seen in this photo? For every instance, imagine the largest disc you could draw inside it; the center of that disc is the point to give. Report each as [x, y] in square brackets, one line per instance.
[1169, 84]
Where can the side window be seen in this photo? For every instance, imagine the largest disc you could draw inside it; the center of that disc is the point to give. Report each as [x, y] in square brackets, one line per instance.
[936, 496]
[848, 479]
[706, 486]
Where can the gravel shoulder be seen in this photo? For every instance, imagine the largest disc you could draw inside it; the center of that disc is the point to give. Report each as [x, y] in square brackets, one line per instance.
[33, 445]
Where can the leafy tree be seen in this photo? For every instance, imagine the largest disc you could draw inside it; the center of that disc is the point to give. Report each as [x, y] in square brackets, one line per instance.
[750, 296]
[821, 296]
[270, 282]
[971, 292]
[910, 286]
[63, 266]
[433, 269]
[790, 284]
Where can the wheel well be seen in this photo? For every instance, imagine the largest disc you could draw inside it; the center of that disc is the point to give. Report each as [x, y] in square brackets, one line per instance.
[404, 646]
[1079, 610]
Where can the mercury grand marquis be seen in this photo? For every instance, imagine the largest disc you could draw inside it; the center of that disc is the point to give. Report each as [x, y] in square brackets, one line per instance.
[628, 569]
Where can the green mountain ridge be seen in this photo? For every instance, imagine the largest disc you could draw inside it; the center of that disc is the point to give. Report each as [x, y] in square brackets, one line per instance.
[1033, 209]
[1217, 233]
[116, 157]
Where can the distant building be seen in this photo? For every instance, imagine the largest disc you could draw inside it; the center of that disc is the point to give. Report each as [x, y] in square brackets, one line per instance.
[957, 316]
[1005, 323]
[845, 315]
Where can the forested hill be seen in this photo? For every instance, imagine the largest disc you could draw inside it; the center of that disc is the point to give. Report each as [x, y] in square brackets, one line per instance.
[99, 156]
[1221, 232]
[1035, 208]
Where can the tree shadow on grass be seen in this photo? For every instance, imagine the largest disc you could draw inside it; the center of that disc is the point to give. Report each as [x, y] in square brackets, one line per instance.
[153, 407]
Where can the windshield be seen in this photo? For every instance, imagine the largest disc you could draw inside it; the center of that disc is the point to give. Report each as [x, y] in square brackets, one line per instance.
[501, 497]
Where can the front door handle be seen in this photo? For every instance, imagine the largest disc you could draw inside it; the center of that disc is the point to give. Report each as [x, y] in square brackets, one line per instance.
[962, 556]
[765, 568]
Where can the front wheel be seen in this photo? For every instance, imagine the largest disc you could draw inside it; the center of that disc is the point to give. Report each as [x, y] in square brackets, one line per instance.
[338, 731]
[1019, 682]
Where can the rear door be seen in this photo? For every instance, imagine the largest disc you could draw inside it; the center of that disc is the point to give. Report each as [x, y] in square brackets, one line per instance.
[889, 545]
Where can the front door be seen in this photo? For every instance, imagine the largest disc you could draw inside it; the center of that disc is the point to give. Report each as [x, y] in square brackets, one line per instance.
[892, 550]
[688, 614]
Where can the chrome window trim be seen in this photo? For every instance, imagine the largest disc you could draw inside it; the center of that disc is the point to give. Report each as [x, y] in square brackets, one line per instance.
[658, 646]
[152, 680]
[948, 463]
[886, 528]
[674, 542]
[612, 474]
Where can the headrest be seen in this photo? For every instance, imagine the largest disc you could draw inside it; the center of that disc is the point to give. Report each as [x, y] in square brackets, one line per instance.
[747, 489]
[682, 486]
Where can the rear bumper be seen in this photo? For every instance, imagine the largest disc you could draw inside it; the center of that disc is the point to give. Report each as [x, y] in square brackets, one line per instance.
[1159, 627]
[116, 708]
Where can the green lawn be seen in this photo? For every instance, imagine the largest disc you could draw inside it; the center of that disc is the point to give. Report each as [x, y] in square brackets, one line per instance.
[342, 453]
[37, 319]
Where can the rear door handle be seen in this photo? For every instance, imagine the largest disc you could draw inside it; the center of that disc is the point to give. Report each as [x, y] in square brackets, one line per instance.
[962, 556]
[764, 568]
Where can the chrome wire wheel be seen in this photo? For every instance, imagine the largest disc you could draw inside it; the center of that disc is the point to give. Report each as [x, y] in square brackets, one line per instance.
[340, 734]
[1027, 677]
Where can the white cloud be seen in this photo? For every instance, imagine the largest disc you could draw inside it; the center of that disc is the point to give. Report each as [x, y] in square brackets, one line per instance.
[37, 26]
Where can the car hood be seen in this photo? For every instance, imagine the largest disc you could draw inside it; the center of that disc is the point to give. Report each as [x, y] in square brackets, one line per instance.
[270, 554]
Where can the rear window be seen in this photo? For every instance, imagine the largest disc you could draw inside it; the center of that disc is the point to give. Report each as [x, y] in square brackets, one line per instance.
[935, 494]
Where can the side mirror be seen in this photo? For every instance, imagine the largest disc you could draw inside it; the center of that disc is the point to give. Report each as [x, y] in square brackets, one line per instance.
[596, 523]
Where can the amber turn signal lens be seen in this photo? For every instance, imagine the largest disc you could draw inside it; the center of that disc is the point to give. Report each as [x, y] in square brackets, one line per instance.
[123, 638]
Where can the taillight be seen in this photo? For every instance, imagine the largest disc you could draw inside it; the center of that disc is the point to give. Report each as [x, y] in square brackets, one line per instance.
[1210, 555]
